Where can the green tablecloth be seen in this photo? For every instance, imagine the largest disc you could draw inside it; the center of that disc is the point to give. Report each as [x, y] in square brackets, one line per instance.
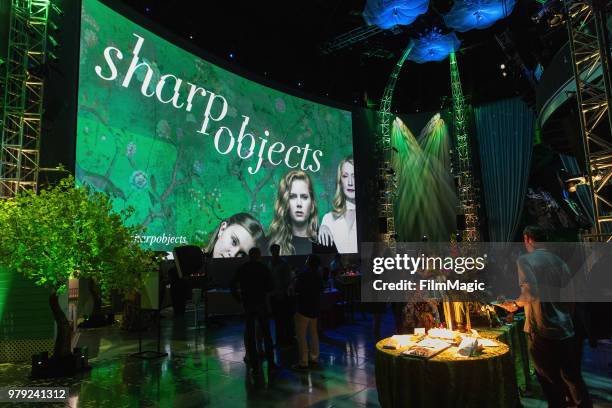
[513, 336]
[487, 380]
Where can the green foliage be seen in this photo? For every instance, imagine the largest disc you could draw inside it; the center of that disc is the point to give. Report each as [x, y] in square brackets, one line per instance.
[69, 231]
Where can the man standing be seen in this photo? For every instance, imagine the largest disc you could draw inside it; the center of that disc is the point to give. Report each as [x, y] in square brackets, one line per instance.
[548, 324]
[280, 302]
[254, 282]
[308, 288]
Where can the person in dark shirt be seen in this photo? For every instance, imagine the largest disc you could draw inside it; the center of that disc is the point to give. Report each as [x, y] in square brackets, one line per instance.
[250, 286]
[280, 301]
[308, 288]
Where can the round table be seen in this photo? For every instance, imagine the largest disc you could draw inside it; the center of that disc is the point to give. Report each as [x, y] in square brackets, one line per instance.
[486, 380]
[512, 335]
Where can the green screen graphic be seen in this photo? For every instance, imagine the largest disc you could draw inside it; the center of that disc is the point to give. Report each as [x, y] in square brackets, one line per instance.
[195, 149]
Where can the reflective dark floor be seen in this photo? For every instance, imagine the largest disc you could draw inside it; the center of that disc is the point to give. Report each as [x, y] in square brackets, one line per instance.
[204, 367]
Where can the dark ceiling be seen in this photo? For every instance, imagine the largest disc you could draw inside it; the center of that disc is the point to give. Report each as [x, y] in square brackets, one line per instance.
[282, 41]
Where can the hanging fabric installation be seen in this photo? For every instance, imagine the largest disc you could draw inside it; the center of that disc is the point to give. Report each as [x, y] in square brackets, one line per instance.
[433, 46]
[387, 14]
[477, 14]
[504, 131]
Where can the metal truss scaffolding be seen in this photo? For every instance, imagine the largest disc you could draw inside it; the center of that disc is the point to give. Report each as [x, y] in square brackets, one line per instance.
[23, 96]
[590, 51]
[386, 174]
[466, 185]
[352, 37]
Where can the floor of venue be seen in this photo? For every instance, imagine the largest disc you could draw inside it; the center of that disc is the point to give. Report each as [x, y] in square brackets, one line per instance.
[205, 367]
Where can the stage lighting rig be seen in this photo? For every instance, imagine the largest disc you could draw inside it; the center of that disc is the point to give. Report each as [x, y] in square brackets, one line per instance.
[551, 11]
[53, 42]
[556, 20]
[52, 26]
[56, 9]
[506, 43]
[543, 11]
[52, 57]
[389, 16]
[350, 38]
[572, 183]
[381, 53]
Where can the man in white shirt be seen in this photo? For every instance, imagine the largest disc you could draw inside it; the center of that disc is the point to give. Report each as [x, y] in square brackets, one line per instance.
[549, 324]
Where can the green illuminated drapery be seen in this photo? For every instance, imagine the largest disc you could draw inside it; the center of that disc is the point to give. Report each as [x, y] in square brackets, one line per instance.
[505, 132]
[426, 202]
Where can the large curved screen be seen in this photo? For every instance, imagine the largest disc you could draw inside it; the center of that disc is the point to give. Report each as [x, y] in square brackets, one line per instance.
[205, 156]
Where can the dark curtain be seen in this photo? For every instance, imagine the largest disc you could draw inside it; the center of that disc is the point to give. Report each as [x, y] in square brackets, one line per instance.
[505, 131]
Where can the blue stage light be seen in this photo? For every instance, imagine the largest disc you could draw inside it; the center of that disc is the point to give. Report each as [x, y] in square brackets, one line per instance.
[387, 14]
[433, 46]
[477, 14]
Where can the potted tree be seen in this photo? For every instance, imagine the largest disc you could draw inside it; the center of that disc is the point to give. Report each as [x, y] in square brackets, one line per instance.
[70, 231]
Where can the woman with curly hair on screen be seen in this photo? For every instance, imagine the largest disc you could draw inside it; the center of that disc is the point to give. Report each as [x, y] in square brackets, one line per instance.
[339, 226]
[295, 224]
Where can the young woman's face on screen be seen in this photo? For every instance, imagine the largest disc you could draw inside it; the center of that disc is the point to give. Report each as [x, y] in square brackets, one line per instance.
[347, 177]
[233, 240]
[300, 202]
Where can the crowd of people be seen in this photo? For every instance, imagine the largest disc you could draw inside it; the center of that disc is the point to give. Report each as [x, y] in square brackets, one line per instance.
[552, 328]
[294, 302]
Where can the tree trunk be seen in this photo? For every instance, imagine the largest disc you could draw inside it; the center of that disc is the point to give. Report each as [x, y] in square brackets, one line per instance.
[131, 306]
[64, 333]
[96, 295]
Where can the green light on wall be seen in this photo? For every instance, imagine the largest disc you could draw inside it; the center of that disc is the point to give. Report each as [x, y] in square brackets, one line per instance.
[537, 138]
[6, 280]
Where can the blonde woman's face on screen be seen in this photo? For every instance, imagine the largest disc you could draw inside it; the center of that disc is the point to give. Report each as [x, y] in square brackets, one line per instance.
[233, 241]
[300, 202]
[347, 177]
